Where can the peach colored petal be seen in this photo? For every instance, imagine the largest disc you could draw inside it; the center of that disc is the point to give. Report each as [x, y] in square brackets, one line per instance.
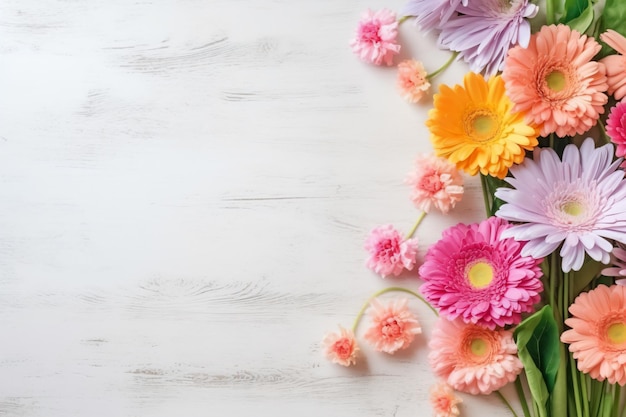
[599, 352]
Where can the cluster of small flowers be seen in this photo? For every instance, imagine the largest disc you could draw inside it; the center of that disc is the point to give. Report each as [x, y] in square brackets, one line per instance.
[484, 278]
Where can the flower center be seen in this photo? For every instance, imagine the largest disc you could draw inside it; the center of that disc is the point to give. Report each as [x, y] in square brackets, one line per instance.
[556, 81]
[369, 32]
[479, 347]
[391, 328]
[430, 182]
[573, 208]
[481, 125]
[480, 275]
[616, 333]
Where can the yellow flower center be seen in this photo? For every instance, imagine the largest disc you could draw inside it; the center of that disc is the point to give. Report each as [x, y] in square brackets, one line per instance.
[573, 208]
[480, 275]
[556, 81]
[479, 347]
[481, 125]
[616, 333]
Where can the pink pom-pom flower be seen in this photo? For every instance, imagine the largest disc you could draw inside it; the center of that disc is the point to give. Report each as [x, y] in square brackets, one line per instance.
[393, 327]
[341, 348]
[375, 40]
[435, 183]
[390, 253]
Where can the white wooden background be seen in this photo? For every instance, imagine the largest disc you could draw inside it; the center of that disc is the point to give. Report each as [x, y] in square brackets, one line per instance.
[185, 188]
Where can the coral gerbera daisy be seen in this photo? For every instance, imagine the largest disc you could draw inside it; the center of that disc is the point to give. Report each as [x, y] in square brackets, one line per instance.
[443, 400]
[393, 326]
[579, 201]
[555, 82]
[597, 337]
[475, 128]
[473, 274]
[616, 128]
[615, 64]
[435, 183]
[472, 358]
[341, 348]
[485, 30]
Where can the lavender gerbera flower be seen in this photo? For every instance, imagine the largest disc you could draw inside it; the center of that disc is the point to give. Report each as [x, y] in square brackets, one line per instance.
[579, 201]
[485, 30]
[431, 14]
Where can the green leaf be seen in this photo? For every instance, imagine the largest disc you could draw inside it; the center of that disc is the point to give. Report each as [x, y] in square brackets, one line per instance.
[582, 22]
[537, 340]
[573, 9]
[613, 17]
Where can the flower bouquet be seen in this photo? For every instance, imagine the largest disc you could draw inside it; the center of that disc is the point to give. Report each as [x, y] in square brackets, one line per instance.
[532, 295]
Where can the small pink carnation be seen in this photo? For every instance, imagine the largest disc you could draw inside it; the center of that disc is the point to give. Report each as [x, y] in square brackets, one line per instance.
[616, 128]
[390, 253]
[341, 348]
[393, 325]
[412, 80]
[443, 400]
[435, 182]
[375, 40]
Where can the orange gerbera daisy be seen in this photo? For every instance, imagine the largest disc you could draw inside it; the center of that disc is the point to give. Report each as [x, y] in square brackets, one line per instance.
[555, 82]
[474, 127]
[597, 337]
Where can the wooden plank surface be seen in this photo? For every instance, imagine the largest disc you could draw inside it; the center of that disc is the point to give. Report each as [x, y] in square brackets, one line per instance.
[185, 188]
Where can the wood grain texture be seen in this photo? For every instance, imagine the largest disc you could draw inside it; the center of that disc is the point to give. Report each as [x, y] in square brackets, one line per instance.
[185, 186]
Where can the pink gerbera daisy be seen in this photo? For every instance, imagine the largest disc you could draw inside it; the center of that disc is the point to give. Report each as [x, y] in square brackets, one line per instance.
[616, 128]
[577, 203]
[375, 40]
[443, 400]
[341, 348]
[435, 183]
[393, 326]
[597, 337]
[472, 358]
[475, 274]
[390, 253]
[555, 82]
[412, 80]
[615, 64]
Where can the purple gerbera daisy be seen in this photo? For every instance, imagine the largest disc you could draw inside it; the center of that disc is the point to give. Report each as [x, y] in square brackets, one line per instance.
[431, 14]
[485, 30]
[474, 274]
[579, 202]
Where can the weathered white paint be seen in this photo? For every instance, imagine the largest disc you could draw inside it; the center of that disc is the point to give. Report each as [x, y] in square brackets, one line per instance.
[185, 186]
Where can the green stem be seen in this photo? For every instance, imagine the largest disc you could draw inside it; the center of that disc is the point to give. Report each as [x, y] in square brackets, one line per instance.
[507, 403]
[575, 387]
[522, 396]
[550, 16]
[403, 19]
[359, 315]
[583, 388]
[486, 194]
[443, 68]
[603, 130]
[616, 401]
[415, 226]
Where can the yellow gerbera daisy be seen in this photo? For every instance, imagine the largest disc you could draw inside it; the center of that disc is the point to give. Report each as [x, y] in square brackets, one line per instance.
[474, 127]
